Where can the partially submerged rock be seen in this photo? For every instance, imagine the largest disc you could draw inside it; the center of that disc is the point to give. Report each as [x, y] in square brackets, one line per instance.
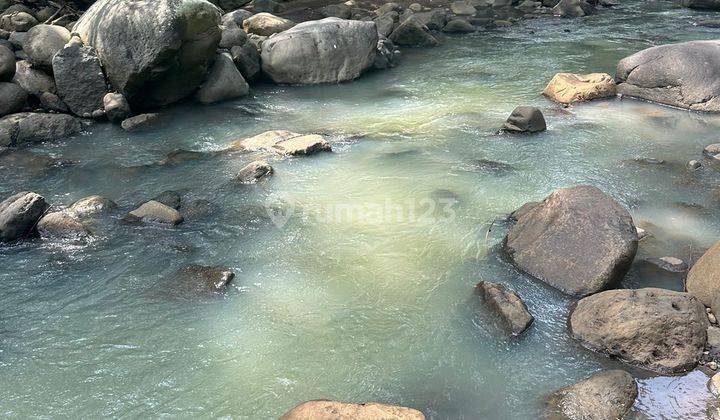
[655, 329]
[330, 50]
[139, 122]
[254, 172]
[155, 212]
[33, 127]
[19, 214]
[93, 205]
[203, 279]
[682, 75]
[605, 395]
[283, 142]
[508, 305]
[61, 225]
[703, 280]
[669, 264]
[702, 4]
[567, 88]
[573, 8]
[578, 240]
[525, 119]
[333, 410]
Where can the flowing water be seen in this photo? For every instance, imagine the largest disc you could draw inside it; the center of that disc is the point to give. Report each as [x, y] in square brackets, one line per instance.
[355, 269]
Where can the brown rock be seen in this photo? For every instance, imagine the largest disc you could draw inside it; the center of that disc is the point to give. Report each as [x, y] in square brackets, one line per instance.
[567, 88]
[703, 280]
[333, 410]
[607, 395]
[508, 304]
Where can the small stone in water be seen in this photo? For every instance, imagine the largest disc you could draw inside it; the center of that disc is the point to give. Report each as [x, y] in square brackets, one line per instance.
[693, 165]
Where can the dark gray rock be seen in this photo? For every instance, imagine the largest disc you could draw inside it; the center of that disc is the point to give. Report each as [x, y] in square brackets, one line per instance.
[684, 75]
[232, 36]
[34, 81]
[79, 78]
[204, 280]
[139, 122]
[525, 119]
[340, 10]
[236, 17]
[573, 8]
[247, 60]
[7, 64]
[170, 198]
[266, 6]
[17, 21]
[224, 82]
[413, 33]
[508, 305]
[655, 329]
[230, 4]
[578, 240]
[458, 25]
[43, 42]
[153, 52]
[605, 395]
[12, 98]
[19, 215]
[17, 39]
[702, 4]
[330, 50]
[155, 212]
[52, 102]
[254, 172]
[33, 127]
[117, 108]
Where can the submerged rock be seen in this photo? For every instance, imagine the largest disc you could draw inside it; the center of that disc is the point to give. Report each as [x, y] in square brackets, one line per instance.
[682, 75]
[155, 212]
[578, 240]
[204, 280]
[266, 24]
[170, 198]
[669, 264]
[458, 26]
[224, 82]
[332, 410]
[656, 329]
[605, 395]
[703, 280]
[525, 119]
[330, 50]
[61, 225]
[153, 52]
[32, 127]
[284, 142]
[567, 88]
[19, 214]
[254, 172]
[508, 305]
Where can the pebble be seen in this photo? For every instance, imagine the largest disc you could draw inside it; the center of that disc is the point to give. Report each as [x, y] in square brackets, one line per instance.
[693, 165]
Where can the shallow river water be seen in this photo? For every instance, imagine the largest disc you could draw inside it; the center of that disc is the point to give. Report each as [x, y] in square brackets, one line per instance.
[355, 269]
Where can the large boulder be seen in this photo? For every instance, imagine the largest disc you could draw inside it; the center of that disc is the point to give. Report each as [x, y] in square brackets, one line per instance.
[655, 329]
[61, 225]
[413, 33]
[332, 410]
[79, 78]
[572, 8]
[684, 75]
[606, 395]
[43, 42]
[266, 24]
[19, 215]
[330, 50]
[566, 88]
[703, 280]
[7, 64]
[578, 240]
[224, 82]
[33, 127]
[154, 52]
[201, 279]
[702, 4]
[507, 304]
[12, 98]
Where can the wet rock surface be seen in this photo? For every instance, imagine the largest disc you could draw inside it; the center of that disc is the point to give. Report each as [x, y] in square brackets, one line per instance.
[605, 395]
[507, 304]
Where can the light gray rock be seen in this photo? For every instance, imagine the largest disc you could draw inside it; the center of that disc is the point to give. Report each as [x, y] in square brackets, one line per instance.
[254, 172]
[232, 36]
[32, 127]
[330, 50]
[340, 10]
[412, 33]
[117, 108]
[462, 7]
[458, 26]
[19, 214]
[573, 8]
[92, 206]
[154, 52]
[154, 212]
[266, 24]
[12, 98]
[702, 4]
[34, 81]
[684, 75]
[7, 64]
[247, 60]
[224, 82]
[578, 240]
[43, 42]
[335, 410]
[655, 329]
[605, 395]
[284, 143]
[79, 78]
[508, 305]
[139, 122]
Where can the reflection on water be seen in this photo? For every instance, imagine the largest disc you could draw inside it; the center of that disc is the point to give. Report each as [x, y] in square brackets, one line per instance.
[353, 308]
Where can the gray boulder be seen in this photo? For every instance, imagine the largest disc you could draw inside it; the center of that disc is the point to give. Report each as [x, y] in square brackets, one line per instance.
[386, 23]
[17, 21]
[12, 98]
[458, 25]
[79, 78]
[508, 305]
[170, 198]
[340, 10]
[330, 50]
[91, 206]
[247, 60]
[117, 108]
[52, 102]
[232, 36]
[61, 225]
[684, 75]
[578, 240]
[154, 212]
[573, 8]
[236, 17]
[32, 127]
[43, 42]
[139, 122]
[224, 82]
[525, 119]
[702, 4]
[254, 172]
[413, 33]
[7, 64]
[203, 280]
[655, 329]
[434, 20]
[703, 280]
[605, 395]
[19, 215]
[34, 81]
[153, 52]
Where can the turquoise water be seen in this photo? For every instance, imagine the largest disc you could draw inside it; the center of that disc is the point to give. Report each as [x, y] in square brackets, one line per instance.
[366, 292]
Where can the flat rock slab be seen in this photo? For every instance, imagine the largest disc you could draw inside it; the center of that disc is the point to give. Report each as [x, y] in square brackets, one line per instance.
[578, 240]
[333, 410]
[284, 143]
[655, 329]
[508, 305]
[606, 395]
[566, 88]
